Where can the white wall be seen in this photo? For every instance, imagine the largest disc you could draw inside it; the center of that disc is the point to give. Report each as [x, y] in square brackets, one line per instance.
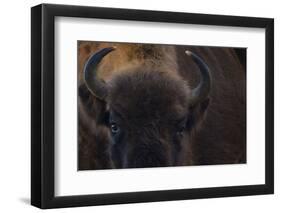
[15, 105]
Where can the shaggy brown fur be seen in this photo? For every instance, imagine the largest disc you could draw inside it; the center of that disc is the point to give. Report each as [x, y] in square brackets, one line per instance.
[149, 89]
[222, 137]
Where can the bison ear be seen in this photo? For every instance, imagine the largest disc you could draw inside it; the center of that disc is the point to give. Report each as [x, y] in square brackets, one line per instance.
[94, 107]
[196, 114]
[102, 115]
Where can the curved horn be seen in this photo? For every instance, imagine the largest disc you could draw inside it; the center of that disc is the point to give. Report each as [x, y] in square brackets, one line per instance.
[96, 86]
[202, 90]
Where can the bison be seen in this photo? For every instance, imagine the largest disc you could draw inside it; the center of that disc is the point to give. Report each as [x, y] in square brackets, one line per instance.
[160, 105]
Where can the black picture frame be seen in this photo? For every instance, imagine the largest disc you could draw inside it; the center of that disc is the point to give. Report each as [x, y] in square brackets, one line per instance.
[42, 105]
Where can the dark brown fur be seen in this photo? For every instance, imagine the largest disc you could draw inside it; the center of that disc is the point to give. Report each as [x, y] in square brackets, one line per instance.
[157, 96]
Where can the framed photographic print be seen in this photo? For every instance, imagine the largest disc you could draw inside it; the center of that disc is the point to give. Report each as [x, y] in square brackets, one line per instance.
[139, 106]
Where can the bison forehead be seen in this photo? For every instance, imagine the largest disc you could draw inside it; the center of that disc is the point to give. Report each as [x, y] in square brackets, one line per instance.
[146, 94]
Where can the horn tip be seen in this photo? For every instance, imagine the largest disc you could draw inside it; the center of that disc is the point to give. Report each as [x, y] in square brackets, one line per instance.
[189, 53]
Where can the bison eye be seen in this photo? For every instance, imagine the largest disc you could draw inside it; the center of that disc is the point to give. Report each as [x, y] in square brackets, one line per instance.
[114, 128]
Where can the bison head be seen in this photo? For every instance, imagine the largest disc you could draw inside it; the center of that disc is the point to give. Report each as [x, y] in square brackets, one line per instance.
[150, 113]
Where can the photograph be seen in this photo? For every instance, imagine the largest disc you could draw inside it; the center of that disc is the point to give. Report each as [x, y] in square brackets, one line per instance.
[144, 105]
[135, 105]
